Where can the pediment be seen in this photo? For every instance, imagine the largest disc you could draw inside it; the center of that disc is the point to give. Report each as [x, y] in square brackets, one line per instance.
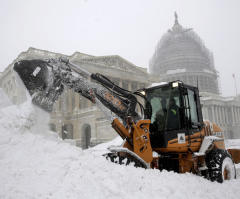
[114, 62]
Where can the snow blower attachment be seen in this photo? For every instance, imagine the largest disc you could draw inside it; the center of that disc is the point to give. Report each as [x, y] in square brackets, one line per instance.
[163, 130]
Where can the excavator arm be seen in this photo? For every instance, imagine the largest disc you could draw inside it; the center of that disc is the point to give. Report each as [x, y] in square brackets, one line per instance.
[45, 80]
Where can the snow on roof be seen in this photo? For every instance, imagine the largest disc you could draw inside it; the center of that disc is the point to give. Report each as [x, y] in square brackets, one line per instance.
[232, 143]
[157, 84]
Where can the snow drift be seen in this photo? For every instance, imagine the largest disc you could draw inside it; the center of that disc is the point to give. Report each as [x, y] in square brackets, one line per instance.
[35, 163]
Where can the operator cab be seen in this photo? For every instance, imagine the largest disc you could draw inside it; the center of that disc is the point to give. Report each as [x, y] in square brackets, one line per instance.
[173, 108]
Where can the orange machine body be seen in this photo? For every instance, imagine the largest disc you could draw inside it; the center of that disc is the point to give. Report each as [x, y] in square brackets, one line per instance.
[137, 140]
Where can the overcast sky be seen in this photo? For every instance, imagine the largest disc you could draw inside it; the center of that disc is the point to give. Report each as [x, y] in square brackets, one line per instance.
[129, 28]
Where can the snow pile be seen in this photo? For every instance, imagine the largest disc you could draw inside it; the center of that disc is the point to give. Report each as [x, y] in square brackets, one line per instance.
[233, 143]
[36, 164]
[4, 101]
[101, 149]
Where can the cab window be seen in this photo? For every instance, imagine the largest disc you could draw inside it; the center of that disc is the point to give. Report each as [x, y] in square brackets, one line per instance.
[191, 107]
[165, 104]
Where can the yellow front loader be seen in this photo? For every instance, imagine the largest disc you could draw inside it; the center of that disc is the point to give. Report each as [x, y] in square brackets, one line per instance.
[162, 127]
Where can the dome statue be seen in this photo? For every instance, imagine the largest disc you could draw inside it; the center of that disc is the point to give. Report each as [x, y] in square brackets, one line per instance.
[181, 55]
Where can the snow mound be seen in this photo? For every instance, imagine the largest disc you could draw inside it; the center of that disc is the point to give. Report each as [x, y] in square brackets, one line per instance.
[35, 164]
[101, 149]
[4, 101]
[233, 143]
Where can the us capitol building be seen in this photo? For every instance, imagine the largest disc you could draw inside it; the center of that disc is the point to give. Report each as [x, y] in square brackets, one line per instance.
[179, 55]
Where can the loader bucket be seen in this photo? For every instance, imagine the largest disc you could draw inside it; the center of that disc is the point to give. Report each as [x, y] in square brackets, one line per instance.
[41, 84]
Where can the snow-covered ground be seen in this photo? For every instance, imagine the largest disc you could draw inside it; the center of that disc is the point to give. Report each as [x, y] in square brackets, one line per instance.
[35, 163]
[233, 143]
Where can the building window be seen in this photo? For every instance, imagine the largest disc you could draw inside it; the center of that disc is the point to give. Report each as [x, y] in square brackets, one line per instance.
[52, 127]
[80, 102]
[66, 100]
[134, 86]
[142, 85]
[67, 131]
[86, 136]
[83, 102]
[73, 100]
[116, 81]
[63, 100]
[125, 84]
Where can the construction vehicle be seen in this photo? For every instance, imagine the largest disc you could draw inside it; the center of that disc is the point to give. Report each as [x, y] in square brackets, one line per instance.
[162, 126]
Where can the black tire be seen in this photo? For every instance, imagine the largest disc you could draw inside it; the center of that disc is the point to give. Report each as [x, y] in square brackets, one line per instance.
[220, 165]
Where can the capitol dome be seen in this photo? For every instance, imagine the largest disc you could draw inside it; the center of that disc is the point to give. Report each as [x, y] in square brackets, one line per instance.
[182, 55]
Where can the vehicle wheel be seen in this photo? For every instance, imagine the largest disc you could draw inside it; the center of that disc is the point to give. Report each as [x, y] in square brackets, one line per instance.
[220, 165]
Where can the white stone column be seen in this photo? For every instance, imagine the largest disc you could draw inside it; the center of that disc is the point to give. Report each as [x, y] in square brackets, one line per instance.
[232, 111]
[224, 115]
[57, 105]
[221, 115]
[207, 114]
[76, 95]
[204, 112]
[236, 112]
[213, 114]
[207, 110]
[217, 114]
[235, 116]
[238, 115]
[89, 103]
[120, 83]
[227, 115]
[129, 86]
[70, 95]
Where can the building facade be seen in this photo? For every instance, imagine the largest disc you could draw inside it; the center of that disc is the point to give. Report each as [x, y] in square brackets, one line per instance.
[74, 117]
[181, 55]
